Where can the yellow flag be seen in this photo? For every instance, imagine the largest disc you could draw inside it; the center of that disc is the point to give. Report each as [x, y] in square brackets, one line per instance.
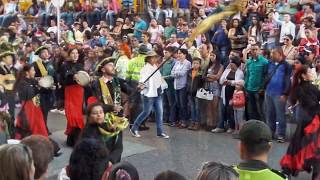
[205, 25]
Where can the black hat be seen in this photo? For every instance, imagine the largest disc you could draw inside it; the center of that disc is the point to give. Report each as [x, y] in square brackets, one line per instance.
[6, 53]
[39, 49]
[255, 132]
[143, 49]
[104, 62]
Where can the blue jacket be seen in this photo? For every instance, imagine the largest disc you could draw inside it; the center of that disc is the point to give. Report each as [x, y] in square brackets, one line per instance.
[220, 38]
[280, 82]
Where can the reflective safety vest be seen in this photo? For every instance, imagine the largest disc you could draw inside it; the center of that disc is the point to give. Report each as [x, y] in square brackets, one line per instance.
[134, 67]
[263, 174]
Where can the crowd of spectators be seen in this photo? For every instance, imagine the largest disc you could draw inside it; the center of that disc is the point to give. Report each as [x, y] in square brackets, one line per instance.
[241, 69]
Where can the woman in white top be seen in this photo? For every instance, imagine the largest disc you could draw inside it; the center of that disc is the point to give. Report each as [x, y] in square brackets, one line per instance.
[151, 92]
[232, 76]
[155, 30]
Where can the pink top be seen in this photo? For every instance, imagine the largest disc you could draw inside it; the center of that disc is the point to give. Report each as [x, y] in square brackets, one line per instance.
[113, 6]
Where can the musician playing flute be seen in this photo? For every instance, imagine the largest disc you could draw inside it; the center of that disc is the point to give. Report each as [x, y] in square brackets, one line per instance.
[105, 114]
[7, 75]
[73, 95]
[43, 67]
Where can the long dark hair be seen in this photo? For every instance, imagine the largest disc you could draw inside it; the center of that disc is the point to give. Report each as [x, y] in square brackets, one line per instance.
[304, 92]
[21, 76]
[216, 64]
[239, 30]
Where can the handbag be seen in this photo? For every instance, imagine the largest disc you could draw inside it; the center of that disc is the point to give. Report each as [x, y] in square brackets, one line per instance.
[204, 94]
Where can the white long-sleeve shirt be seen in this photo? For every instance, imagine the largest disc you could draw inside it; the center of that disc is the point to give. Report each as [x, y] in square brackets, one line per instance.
[286, 28]
[153, 84]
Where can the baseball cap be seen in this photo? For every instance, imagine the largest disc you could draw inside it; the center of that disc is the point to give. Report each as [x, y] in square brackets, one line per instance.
[255, 132]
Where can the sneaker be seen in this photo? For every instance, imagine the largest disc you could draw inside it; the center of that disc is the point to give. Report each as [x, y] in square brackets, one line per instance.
[163, 135]
[135, 133]
[62, 112]
[172, 124]
[54, 110]
[281, 139]
[217, 130]
[230, 130]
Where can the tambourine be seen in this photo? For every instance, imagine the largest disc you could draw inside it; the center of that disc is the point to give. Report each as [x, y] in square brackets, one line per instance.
[46, 82]
[83, 78]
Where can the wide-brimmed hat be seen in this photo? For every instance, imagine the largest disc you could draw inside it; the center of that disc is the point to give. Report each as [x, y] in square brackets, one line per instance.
[39, 49]
[151, 54]
[120, 20]
[143, 49]
[6, 53]
[104, 62]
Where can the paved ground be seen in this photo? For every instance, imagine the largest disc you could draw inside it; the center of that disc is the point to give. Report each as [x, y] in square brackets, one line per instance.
[184, 152]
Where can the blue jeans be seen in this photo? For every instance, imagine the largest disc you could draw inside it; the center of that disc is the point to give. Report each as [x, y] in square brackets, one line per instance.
[170, 105]
[110, 18]
[181, 99]
[150, 103]
[194, 108]
[276, 109]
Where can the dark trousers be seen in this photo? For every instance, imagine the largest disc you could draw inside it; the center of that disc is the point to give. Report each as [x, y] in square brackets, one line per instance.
[46, 103]
[255, 106]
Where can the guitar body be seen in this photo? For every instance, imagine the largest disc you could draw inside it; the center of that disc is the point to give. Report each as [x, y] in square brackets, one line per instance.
[7, 81]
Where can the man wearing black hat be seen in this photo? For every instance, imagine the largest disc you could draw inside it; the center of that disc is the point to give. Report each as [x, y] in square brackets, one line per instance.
[7, 80]
[107, 89]
[255, 144]
[44, 67]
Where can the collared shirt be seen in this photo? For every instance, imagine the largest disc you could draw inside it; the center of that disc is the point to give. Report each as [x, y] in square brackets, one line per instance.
[166, 72]
[154, 83]
[255, 74]
[180, 73]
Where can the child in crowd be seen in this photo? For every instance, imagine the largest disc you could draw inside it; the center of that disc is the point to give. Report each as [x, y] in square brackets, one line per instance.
[193, 84]
[238, 103]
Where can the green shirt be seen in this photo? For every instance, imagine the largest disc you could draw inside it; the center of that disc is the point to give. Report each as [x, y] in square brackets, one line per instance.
[168, 31]
[255, 73]
[134, 67]
[166, 71]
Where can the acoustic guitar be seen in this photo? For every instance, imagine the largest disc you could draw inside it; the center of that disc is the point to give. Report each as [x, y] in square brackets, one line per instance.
[7, 81]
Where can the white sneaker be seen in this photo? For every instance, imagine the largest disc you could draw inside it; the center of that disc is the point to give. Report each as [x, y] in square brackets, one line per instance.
[217, 130]
[54, 110]
[62, 112]
[230, 131]
[163, 135]
[135, 133]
